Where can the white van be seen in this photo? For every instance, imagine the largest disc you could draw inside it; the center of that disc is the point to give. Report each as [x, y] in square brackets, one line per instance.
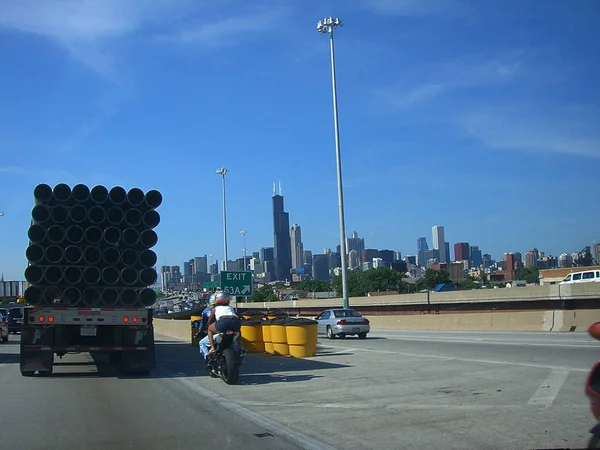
[582, 277]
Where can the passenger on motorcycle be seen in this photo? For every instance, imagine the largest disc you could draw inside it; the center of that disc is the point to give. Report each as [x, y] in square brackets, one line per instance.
[223, 318]
[204, 325]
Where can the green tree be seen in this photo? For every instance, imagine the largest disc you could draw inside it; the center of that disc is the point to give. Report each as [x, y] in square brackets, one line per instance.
[529, 274]
[313, 286]
[159, 293]
[431, 278]
[355, 287]
[360, 283]
[263, 294]
[467, 283]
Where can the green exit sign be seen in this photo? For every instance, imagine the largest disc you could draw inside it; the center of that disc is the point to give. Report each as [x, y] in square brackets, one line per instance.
[237, 283]
[211, 284]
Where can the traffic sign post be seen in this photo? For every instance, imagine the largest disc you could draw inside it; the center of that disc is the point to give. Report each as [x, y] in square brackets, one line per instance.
[211, 284]
[237, 283]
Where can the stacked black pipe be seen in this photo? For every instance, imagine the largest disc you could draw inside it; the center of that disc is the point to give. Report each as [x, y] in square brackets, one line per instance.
[92, 247]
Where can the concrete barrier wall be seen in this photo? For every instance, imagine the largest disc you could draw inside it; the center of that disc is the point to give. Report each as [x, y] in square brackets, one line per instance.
[528, 293]
[556, 321]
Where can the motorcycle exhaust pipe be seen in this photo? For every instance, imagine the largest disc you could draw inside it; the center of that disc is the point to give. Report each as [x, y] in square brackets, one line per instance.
[61, 193]
[92, 255]
[135, 197]
[81, 193]
[73, 254]
[151, 219]
[78, 214]
[91, 297]
[148, 258]
[59, 214]
[110, 297]
[71, 296]
[153, 199]
[35, 254]
[110, 275]
[131, 237]
[51, 296]
[97, 215]
[117, 195]
[56, 234]
[111, 256]
[129, 276]
[115, 215]
[53, 275]
[147, 297]
[73, 275]
[42, 194]
[54, 254]
[36, 234]
[129, 257]
[148, 239]
[99, 194]
[148, 277]
[40, 214]
[128, 297]
[34, 274]
[91, 275]
[33, 295]
[133, 217]
[75, 234]
[93, 235]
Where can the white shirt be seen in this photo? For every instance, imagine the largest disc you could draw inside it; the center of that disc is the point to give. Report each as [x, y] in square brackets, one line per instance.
[223, 310]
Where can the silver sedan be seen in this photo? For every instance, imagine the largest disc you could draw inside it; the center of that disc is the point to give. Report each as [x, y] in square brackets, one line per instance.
[342, 322]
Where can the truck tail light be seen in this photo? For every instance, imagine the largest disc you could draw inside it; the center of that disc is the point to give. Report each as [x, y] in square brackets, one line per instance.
[126, 319]
[135, 320]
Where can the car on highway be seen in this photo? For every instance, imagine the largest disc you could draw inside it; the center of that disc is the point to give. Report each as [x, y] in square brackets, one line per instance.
[4, 328]
[15, 320]
[342, 322]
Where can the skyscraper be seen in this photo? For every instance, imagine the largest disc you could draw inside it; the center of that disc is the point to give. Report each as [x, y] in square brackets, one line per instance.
[200, 264]
[281, 235]
[439, 242]
[461, 251]
[476, 256]
[297, 247]
[355, 243]
[422, 247]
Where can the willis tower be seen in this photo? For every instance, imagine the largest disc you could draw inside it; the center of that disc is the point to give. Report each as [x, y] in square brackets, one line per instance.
[281, 231]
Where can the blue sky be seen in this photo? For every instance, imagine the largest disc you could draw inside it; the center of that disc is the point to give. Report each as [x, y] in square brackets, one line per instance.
[479, 116]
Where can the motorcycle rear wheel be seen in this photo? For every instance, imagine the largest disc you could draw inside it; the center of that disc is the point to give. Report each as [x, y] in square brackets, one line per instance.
[230, 373]
[594, 442]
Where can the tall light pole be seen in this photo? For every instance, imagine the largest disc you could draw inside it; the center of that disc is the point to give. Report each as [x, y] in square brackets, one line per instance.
[244, 234]
[328, 25]
[223, 171]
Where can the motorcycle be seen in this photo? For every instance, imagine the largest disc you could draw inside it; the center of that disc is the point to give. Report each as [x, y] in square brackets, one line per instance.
[225, 362]
[592, 390]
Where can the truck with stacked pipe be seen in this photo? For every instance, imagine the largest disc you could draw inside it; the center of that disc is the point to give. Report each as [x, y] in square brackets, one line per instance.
[90, 271]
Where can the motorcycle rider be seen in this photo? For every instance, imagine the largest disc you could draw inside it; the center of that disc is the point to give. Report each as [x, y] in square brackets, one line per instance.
[223, 318]
[204, 326]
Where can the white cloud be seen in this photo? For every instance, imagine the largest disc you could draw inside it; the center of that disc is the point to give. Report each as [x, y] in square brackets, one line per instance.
[528, 131]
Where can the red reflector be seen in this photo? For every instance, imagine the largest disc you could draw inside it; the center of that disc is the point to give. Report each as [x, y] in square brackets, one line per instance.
[366, 321]
[135, 320]
[144, 320]
[125, 319]
[50, 319]
[41, 318]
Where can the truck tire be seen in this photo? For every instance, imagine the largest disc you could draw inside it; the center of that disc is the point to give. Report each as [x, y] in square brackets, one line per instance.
[28, 373]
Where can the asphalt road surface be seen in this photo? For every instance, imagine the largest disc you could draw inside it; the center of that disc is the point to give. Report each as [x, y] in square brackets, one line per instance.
[396, 389]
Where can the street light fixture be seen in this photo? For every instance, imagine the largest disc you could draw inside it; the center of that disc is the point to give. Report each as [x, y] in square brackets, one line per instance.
[223, 171]
[243, 232]
[328, 25]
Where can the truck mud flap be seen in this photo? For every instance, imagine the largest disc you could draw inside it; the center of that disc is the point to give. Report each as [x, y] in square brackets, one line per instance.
[140, 362]
[41, 361]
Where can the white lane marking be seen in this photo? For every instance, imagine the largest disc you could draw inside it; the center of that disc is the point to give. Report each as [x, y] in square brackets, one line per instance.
[449, 358]
[490, 342]
[2, 365]
[363, 405]
[276, 428]
[549, 389]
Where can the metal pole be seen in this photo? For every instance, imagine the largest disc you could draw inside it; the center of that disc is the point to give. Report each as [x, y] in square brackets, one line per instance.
[338, 158]
[244, 233]
[224, 226]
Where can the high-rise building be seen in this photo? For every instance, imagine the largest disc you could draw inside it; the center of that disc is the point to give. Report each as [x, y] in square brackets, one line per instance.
[307, 257]
[267, 254]
[354, 260]
[320, 267]
[297, 247]
[439, 242]
[368, 254]
[565, 260]
[387, 257]
[355, 243]
[411, 259]
[422, 247]
[281, 238]
[431, 257]
[531, 257]
[397, 256]
[188, 270]
[256, 255]
[378, 262]
[476, 257]
[487, 261]
[461, 251]
[597, 253]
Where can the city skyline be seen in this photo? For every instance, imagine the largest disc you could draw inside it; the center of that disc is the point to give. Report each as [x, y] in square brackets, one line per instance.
[480, 116]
